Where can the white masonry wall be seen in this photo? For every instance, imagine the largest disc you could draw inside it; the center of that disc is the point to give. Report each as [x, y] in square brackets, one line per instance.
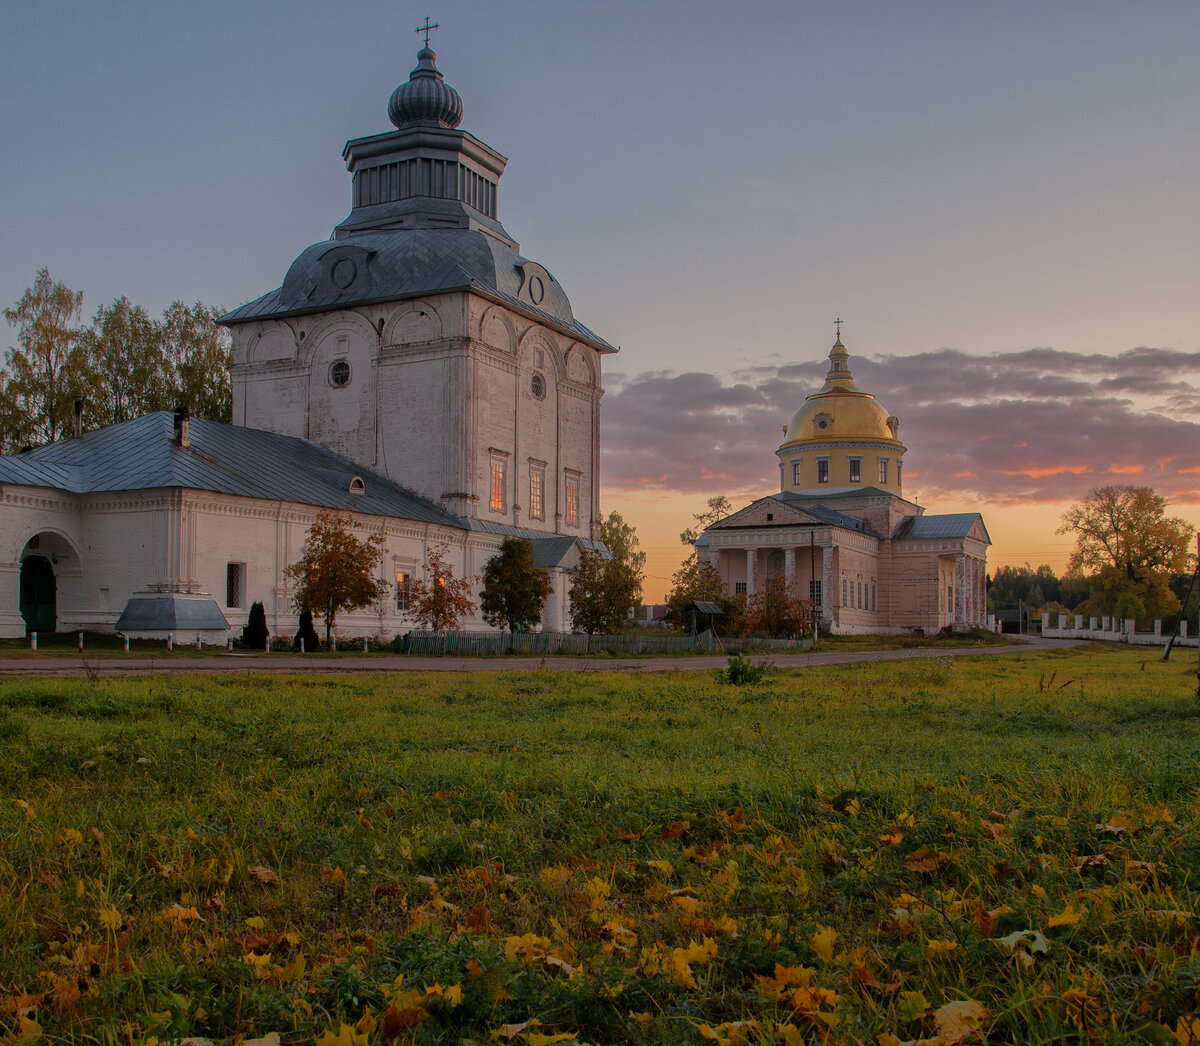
[107, 547]
[439, 388]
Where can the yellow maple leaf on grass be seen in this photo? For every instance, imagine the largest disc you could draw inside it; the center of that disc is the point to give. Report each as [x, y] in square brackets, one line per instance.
[822, 942]
[346, 1035]
[679, 960]
[1069, 916]
[452, 995]
[730, 1033]
[179, 915]
[1187, 1031]
[526, 947]
[960, 1018]
[938, 949]
[28, 1031]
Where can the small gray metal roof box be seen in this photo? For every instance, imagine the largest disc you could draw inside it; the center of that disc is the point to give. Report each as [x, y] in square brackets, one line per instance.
[701, 607]
[146, 616]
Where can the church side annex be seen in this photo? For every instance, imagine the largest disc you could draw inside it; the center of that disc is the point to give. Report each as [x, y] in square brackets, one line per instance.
[415, 368]
[841, 533]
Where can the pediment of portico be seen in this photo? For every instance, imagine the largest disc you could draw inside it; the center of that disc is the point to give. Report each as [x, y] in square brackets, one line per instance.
[768, 512]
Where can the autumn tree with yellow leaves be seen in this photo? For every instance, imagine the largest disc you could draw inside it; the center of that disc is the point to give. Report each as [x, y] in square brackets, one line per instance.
[336, 570]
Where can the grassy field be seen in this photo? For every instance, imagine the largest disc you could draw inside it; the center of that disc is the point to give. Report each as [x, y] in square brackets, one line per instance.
[997, 849]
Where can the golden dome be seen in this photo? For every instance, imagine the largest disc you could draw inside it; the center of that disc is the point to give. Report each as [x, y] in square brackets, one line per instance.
[841, 410]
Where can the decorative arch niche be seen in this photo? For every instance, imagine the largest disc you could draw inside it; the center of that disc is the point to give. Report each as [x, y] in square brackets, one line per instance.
[496, 329]
[413, 323]
[536, 339]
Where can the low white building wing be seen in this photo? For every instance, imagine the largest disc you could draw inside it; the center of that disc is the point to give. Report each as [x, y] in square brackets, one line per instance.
[203, 516]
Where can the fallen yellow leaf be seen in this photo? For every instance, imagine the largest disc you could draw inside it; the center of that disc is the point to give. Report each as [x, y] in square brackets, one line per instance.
[1069, 916]
[960, 1018]
[822, 942]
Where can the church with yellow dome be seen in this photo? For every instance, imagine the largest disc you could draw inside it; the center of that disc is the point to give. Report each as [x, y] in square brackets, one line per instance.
[840, 531]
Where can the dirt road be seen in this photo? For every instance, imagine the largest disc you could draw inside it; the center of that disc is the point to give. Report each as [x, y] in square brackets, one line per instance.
[128, 667]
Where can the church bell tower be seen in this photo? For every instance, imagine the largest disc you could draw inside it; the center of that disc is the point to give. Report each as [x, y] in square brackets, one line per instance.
[419, 341]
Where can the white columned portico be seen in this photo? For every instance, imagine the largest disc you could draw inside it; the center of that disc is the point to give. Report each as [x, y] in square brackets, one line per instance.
[751, 569]
[789, 565]
[960, 592]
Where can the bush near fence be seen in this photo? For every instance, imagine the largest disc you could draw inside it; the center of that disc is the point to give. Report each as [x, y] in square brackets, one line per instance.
[477, 644]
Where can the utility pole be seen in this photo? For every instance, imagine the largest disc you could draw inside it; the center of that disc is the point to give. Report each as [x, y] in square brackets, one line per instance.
[1182, 618]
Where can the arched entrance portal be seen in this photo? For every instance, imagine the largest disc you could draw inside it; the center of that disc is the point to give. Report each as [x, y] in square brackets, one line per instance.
[49, 582]
[39, 594]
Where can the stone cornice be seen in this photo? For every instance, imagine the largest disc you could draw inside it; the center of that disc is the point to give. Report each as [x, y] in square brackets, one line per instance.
[850, 443]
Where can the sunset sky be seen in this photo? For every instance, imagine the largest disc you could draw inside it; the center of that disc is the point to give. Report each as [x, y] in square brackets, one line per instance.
[1001, 201]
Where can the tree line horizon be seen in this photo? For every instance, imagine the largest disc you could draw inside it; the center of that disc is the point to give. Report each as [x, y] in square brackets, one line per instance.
[123, 364]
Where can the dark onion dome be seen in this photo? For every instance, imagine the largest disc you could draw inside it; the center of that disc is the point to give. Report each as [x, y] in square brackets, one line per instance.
[425, 96]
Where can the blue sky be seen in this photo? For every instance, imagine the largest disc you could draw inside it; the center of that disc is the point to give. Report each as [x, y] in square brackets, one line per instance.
[711, 182]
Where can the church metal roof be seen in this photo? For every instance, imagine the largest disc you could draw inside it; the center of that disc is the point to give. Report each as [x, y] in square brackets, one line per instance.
[406, 263]
[225, 459]
[951, 525]
[810, 504]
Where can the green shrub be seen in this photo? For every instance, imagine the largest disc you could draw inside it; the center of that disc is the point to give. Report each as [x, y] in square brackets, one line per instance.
[741, 671]
[307, 634]
[254, 635]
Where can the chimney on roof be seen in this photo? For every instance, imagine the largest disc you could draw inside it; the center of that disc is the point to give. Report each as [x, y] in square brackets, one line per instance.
[181, 426]
[78, 416]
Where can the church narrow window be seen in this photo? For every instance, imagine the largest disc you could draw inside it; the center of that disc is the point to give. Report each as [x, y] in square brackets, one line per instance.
[537, 487]
[403, 589]
[814, 591]
[497, 500]
[235, 585]
[844, 600]
[572, 501]
[873, 606]
[822, 470]
[795, 473]
[860, 606]
[883, 470]
[856, 470]
[739, 588]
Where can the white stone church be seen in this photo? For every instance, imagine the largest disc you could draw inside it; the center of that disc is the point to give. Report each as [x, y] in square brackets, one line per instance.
[415, 369]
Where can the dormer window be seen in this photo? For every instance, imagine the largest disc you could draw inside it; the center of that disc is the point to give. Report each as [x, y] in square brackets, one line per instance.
[357, 486]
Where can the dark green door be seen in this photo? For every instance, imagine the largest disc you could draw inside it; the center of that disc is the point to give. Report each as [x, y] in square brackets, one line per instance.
[38, 594]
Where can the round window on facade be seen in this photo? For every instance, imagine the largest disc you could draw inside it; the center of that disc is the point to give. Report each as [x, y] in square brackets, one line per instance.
[339, 374]
[538, 387]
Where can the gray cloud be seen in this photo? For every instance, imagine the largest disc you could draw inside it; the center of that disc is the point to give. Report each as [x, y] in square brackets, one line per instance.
[1028, 426]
